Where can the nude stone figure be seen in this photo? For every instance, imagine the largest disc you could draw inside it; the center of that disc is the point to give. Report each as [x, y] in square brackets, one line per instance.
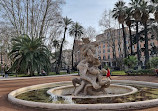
[91, 79]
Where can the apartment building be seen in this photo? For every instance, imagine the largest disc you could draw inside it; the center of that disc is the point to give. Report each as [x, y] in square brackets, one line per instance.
[110, 47]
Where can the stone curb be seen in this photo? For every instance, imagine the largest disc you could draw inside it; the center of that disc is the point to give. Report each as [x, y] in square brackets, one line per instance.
[17, 78]
[114, 106]
[132, 90]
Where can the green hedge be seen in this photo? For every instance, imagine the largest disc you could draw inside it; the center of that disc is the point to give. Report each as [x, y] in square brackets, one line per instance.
[149, 72]
[118, 73]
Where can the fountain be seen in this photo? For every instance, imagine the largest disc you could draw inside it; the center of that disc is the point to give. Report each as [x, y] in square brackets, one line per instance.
[91, 83]
[90, 91]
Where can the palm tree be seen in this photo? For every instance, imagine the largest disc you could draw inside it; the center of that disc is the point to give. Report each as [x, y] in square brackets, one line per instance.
[145, 10]
[120, 14]
[76, 31]
[29, 55]
[136, 13]
[56, 46]
[130, 61]
[129, 23]
[66, 23]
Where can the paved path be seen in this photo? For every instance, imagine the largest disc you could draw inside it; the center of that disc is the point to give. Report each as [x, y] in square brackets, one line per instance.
[9, 85]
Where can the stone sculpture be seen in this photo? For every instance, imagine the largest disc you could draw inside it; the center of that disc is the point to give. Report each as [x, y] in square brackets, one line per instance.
[91, 80]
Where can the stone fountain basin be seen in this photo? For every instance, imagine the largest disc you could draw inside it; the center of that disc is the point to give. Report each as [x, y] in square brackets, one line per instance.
[112, 91]
[86, 107]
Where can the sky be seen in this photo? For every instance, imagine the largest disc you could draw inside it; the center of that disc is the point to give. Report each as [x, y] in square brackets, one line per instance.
[87, 12]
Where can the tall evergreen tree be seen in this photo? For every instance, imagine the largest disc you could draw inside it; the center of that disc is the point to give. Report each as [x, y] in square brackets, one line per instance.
[76, 31]
[119, 13]
[66, 23]
[129, 23]
[56, 46]
[29, 54]
[145, 10]
[136, 13]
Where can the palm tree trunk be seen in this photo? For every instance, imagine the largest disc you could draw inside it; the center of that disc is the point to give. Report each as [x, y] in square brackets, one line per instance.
[137, 41]
[72, 55]
[31, 70]
[55, 56]
[119, 42]
[124, 37]
[73, 51]
[130, 33]
[146, 46]
[60, 54]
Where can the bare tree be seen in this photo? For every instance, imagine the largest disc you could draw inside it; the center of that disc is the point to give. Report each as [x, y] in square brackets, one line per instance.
[90, 33]
[33, 17]
[108, 24]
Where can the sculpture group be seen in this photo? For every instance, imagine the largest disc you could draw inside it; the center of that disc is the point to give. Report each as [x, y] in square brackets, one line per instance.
[91, 80]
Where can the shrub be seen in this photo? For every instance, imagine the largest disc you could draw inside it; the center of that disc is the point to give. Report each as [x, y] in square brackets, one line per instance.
[154, 62]
[130, 61]
[150, 72]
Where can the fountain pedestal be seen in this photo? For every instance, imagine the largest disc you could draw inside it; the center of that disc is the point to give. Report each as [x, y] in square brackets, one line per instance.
[111, 92]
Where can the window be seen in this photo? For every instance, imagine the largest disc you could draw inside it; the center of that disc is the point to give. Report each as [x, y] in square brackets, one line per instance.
[119, 49]
[103, 50]
[139, 46]
[108, 49]
[153, 44]
[133, 47]
[108, 56]
[128, 47]
[104, 57]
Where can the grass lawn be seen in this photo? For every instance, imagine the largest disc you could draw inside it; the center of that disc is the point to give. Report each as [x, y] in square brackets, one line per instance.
[118, 73]
[50, 73]
[62, 73]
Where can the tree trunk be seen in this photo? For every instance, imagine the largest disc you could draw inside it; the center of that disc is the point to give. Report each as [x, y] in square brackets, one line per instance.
[73, 52]
[44, 17]
[32, 18]
[124, 37]
[137, 41]
[55, 56]
[60, 54]
[27, 16]
[130, 33]
[72, 55]
[146, 46]
[119, 42]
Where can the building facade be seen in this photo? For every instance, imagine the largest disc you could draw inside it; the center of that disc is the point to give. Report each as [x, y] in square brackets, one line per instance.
[111, 47]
